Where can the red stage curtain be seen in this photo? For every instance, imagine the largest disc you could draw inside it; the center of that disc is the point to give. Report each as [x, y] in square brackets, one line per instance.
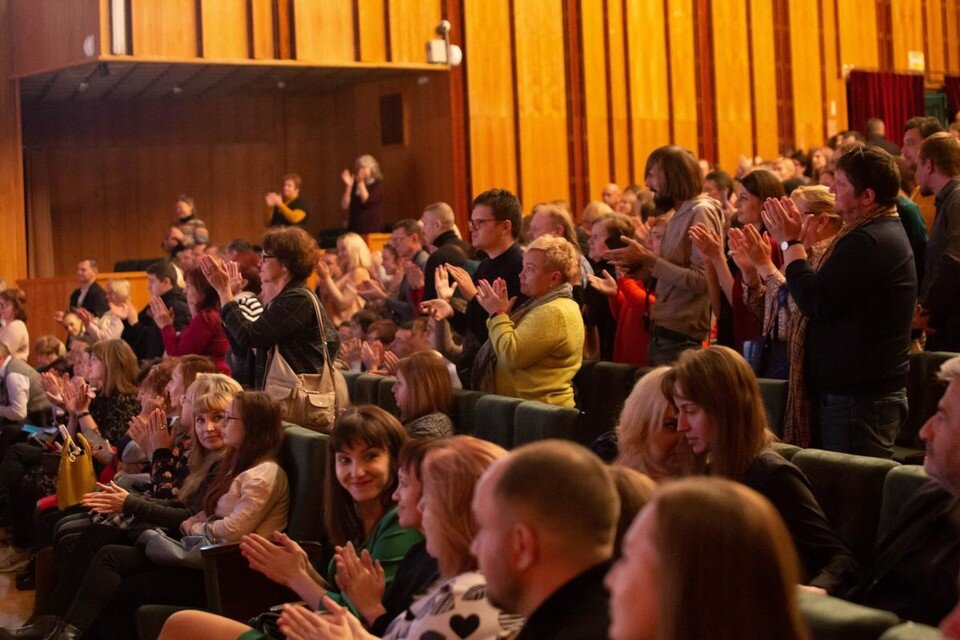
[892, 97]
[951, 85]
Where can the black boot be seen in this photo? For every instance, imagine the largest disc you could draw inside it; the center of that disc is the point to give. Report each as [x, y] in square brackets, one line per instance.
[39, 628]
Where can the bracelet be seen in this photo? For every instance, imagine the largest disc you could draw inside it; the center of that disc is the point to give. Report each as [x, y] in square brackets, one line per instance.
[83, 414]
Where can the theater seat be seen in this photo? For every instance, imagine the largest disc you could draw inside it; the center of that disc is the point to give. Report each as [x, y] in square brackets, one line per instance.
[385, 399]
[351, 378]
[831, 618]
[612, 383]
[540, 421]
[583, 385]
[464, 410]
[911, 631]
[494, 419]
[366, 389]
[850, 490]
[786, 450]
[899, 486]
[924, 391]
[774, 394]
[304, 457]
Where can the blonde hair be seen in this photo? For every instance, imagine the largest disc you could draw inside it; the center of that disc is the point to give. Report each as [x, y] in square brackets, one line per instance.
[560, 255]
[442, 213]
[450, 474]
[212, 392]
[817, 198]
[358, 253]
[370, 163]
[595, 210]
[642, 417]
[120, 287]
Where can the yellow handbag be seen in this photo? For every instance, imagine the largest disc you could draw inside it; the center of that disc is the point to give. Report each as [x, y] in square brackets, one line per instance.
[75, 476]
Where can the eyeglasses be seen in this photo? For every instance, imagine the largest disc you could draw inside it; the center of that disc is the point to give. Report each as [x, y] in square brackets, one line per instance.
[475, 224]
[266, 256]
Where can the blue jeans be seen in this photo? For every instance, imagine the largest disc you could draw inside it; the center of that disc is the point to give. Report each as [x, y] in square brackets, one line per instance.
[864, 426]
[663, 350]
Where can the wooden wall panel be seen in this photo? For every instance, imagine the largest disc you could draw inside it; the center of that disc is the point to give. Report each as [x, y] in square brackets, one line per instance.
[50, 33]
[490, 94]
[541, 101]
[599, 171]
[764, 79]
[951, 35]
[858, 46]
[373, 30]
[164, 28]
[647, 66]
[806, 55]
[262, 20]
[619, 126]
[225, 27]
[13, 257]
[682, 61]
[412, 24]
[933, 40]
[835, 95]
[731, 67]
[324, 30]
[907, 30]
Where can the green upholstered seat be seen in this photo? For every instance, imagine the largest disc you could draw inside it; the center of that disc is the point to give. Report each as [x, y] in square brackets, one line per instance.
[835, 619]
[303, 456]
[385, 399]
[774, 394]
[366, 389]
[612, 383]
[786, 450]
[911, 631]
[540, 421]
[351, 379]
[850, 490]
[464, 410]
[899, 485]
[494, 419]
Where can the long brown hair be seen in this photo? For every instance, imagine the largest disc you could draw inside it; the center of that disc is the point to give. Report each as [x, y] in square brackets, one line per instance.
[724, 386]
[374, 427]
[727, 549]
[429, 389]
[262, 437]
[119, 367]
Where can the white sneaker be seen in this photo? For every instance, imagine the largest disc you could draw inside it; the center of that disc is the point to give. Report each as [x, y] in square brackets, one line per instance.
[14, 559]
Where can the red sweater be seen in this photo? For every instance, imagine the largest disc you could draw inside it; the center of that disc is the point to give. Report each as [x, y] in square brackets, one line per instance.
[204, 336]
[629, 306]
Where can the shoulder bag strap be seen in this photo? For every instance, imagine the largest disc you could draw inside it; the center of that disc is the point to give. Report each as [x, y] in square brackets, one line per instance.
[326, 351]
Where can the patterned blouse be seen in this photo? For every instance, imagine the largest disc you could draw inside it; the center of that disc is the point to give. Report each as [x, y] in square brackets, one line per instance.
[457, 609]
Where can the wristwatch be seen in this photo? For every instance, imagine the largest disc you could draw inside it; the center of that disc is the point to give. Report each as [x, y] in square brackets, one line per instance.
[786, 244]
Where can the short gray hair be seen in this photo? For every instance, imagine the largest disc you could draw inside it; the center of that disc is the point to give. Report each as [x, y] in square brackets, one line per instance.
[950, 370]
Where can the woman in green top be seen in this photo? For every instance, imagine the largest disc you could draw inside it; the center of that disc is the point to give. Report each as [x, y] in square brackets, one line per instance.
[361, 477]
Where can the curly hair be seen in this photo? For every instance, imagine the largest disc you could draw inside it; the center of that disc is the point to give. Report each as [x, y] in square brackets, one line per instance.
[560, 254]
[294, 248]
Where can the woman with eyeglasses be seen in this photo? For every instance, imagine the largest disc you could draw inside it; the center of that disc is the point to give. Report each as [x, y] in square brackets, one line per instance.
[289, 324]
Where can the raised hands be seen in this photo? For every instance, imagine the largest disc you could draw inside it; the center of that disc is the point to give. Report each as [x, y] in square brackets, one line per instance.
[372, 291]
[371, 354]
[217, 275]
[53, 386]
[467, 289]
[361, 579]
[631, 256]
[606, 284]
[350, 350]
[441, 279]
[707, 241]
[161, 314]
[437, 309]
[347, 177]
[234, 276]
[784, 221]
[151, 433]
[494, 298]
[757, 247]
[76, 396]
[414, 275]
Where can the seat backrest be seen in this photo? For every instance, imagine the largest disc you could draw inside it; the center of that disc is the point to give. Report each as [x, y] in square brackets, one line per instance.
[366, 389]
[612, 383]
[464, 410]
[385, 399]
[351, 379]
[831, 618]
[912, 631]
[774, 394]
[540, 421]
[786, 450]
[924, 391]
[850, 491]
[494, 419]
[899, 486]
[303, 456]
[583, 385]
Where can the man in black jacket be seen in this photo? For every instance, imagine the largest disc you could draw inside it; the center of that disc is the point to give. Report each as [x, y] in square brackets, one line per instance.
[547, 515]
[139, 329]
[440, 232]
[89, 295]
[859, 305]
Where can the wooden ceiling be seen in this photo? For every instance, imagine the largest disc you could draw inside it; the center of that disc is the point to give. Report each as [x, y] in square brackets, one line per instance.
[128, 80]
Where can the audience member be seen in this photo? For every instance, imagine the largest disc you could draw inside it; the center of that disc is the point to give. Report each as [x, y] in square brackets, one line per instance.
[681, 318]
[245, 285]
[695, 537]
[554, 221]
[546, 517]
[634, 490]
[406, 239]
[591, 213]
[424, 395]
[600, 323]
[858, 299]
[108, 326]
[50, 354]
[721, 414]
[877, 137]
[192, 231]
[938, 173]
[13, 323]
[610, 195]
[915, 131]
[533, 351]
[140, 330]
[440, 232]
[289, 324]
[22, 398]
[820, 161]
[363, 196]
[89, 295]
[287, 207]
[204, 335]
[340, 295]
[719, 186]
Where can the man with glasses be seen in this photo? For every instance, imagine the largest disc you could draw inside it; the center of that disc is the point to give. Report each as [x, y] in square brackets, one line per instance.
[494, 227]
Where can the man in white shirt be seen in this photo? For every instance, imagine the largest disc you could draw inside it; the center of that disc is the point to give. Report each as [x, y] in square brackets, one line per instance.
[22, 399]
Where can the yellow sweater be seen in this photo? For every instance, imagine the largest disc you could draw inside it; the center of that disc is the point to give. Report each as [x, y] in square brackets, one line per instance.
[537, 359]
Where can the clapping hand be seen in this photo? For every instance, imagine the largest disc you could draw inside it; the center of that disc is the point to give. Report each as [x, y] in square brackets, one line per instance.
[390, 361]
[53, 386]
[371, 354]
[109, 499]
[347, 177]
[371, 291]
[757, 247]
[414, 275]
[467, 288]
[784, 221]
[494, 298]
[282, 560]
[85, 316]
[76, 396]
[216, 273]
[152, 433]
[441, 279]
[322, 270]
[361, 579]
[606, 284]
[631, 256]
[234, 277]
[437, 309]
[708, 242]
[273, 199]
[161, 314]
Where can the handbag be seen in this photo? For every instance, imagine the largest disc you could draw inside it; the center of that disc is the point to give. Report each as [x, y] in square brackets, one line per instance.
[169, 552]
[75, 476]
[309, 400]
[767, 356]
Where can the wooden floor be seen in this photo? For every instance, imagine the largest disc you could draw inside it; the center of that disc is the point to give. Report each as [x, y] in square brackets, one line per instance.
[15, 606]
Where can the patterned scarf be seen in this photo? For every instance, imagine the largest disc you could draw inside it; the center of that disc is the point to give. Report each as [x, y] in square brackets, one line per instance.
[483, 375]
[796, 427]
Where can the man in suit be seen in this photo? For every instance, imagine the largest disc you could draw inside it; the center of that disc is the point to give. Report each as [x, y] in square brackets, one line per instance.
[89, 295]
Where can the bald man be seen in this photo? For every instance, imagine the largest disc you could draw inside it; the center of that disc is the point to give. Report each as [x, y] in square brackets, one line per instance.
[547, 515]
[611, 194]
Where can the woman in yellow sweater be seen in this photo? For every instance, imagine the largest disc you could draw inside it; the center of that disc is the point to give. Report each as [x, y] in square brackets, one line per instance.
[534, 350]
